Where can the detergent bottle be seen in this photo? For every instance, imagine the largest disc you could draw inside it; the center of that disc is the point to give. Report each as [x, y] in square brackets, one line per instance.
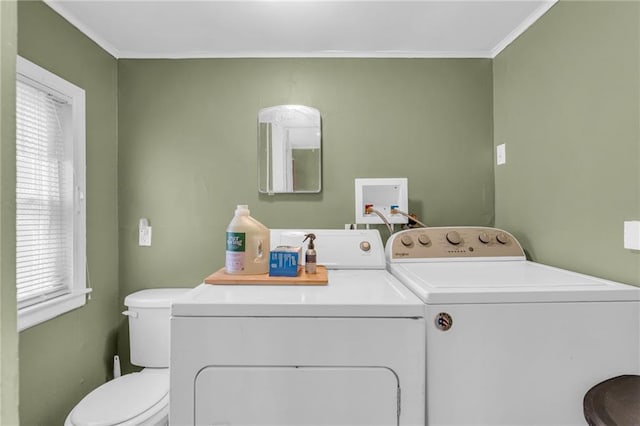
[247, 244]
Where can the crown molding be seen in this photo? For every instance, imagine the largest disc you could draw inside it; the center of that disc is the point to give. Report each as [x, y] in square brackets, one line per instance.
[73, 20]
[520, 29]
[317, 54]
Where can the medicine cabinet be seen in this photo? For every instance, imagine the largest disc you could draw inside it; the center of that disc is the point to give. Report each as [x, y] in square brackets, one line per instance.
[289, 149]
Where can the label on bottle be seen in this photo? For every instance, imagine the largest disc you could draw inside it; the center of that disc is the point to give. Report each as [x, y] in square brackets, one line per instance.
[234, 261]
[310, 263]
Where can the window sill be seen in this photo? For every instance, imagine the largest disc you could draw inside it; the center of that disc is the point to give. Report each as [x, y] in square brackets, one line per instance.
[41, 312]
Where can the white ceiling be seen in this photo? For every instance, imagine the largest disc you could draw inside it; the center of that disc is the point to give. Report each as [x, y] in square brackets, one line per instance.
[302, 28]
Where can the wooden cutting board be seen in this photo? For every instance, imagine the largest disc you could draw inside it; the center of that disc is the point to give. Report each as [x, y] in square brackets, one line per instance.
[220, 277]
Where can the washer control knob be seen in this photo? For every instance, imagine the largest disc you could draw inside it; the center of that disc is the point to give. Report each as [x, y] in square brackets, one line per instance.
[484, 238]
[502, 238]
[365, 246]
[424, 239]
[454, 238]
[406, 241]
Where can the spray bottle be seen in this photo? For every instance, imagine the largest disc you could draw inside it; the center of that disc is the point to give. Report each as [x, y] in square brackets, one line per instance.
[310, 255]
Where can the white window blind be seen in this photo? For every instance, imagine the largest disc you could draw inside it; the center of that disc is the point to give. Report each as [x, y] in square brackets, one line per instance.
[50, 210]
[44, 207]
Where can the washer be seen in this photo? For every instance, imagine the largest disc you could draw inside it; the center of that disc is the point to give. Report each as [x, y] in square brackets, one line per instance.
[509, 341]
[348, 353]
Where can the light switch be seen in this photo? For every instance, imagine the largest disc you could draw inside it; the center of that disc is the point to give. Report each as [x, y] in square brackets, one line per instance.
[501, 154]
[632, 235]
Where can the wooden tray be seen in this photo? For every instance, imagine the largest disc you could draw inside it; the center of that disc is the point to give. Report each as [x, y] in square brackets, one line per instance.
[220, 277]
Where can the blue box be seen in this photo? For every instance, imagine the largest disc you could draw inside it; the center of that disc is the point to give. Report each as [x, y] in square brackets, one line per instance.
[284, 261]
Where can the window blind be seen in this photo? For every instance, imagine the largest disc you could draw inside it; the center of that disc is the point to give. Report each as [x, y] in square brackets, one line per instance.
[44, 197]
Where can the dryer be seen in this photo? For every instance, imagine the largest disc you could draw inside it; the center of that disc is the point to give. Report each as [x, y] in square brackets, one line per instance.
[348, 353]
[510, 341]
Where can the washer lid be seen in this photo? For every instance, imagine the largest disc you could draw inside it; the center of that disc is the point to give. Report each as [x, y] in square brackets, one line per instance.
[121, 399]
[506, 282]
[349, 293]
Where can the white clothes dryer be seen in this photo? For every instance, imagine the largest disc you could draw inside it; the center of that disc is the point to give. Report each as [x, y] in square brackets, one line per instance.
[348, 353]
[509, 341]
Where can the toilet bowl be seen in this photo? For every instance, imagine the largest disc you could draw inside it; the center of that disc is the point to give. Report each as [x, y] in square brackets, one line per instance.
[136, 399]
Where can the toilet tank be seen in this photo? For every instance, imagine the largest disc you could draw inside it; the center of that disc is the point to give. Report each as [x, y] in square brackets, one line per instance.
[149, 314]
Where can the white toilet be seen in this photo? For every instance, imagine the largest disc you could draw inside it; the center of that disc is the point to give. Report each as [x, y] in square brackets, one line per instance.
[142, 398]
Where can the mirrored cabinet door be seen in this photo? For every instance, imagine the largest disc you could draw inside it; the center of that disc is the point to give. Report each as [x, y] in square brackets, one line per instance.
[289, 149]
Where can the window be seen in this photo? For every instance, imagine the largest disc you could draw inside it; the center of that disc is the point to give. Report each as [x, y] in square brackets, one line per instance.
[50, 192]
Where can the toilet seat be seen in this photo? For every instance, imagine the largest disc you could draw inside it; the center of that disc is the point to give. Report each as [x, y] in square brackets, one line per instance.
[128, 400]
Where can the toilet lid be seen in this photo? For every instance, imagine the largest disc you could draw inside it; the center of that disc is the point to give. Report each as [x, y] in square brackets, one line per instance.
[121, 399]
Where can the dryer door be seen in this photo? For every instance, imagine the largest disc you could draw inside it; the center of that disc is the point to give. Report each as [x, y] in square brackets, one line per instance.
[296, 396]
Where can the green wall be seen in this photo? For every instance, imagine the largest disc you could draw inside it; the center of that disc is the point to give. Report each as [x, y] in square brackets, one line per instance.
[63, 359]
[187, 138]
[188, 144]
[566, 103]
[8, 335]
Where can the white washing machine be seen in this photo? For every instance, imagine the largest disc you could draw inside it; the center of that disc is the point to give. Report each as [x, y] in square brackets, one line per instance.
[349, 353]
[509, 341]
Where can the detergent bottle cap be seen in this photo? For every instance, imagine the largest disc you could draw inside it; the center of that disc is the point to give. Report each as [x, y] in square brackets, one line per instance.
[242, 210]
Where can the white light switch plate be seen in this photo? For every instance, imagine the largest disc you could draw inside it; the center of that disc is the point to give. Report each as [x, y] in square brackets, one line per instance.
[501, 154]
[632, 235]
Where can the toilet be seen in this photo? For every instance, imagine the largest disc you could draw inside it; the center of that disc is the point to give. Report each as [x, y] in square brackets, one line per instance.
[136, 399]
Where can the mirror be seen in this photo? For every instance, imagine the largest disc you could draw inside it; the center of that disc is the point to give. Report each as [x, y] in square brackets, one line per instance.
[289, 154]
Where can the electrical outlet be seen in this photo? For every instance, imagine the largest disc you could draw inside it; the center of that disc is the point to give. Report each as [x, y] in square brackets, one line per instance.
[144, 233]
